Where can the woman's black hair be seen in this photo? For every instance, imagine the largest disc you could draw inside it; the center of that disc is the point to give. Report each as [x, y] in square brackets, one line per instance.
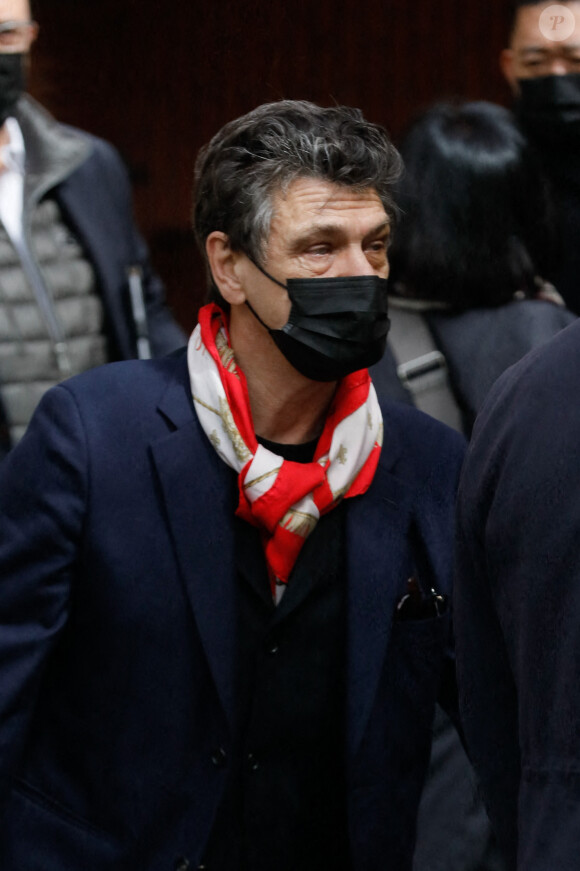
[474, 227]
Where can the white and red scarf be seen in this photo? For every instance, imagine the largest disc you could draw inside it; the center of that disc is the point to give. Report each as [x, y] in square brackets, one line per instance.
[283, 499]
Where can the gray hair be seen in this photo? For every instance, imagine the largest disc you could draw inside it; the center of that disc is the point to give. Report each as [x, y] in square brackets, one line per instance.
[261, 153]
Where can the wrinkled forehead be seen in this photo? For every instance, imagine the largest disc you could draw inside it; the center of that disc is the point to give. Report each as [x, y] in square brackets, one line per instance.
[14, 10]
[542, 25]
[308, 201]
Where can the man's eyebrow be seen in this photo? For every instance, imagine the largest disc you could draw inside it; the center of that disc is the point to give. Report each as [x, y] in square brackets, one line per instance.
[532, 49]
[328, 229]
[333, 231]
[384, 226]
[568, 48]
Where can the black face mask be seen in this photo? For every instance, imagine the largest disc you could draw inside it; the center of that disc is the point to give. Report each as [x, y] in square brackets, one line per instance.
[11, 83]
[548, 108]
[336, 325]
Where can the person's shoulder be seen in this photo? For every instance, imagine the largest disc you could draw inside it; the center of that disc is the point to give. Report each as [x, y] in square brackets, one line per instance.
[419, 446]
[417, 428]
[531, 414]
[521, 324]
[128, 381]
[99, 148]
[539, 314]
[552, 367]
[37, 122]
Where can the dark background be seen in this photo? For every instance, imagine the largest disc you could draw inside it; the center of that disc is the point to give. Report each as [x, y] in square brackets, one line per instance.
[158, 79]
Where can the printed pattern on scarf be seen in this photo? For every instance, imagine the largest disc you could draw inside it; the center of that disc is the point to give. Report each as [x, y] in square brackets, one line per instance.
[283, 499]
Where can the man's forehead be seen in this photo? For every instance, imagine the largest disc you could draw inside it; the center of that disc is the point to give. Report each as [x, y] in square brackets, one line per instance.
[527, 32]
[14, 10]
[312, 198]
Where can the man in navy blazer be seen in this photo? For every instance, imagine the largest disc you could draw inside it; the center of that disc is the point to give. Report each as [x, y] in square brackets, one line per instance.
[224, 616]
[517, 627]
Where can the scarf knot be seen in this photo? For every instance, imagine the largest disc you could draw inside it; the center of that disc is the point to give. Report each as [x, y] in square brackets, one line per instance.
[284, 499]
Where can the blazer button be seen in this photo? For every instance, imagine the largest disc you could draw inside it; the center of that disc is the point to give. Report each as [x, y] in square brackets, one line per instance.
[219, 757]
[253, 762]
[181, 864]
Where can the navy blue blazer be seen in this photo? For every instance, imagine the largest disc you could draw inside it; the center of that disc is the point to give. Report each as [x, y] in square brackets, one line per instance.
[517, 606]
[118, 641]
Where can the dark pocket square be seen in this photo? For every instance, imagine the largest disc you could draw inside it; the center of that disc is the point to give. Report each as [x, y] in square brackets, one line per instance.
[417, 605]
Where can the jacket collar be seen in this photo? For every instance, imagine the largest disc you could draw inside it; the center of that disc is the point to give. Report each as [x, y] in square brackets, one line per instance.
[53, 151]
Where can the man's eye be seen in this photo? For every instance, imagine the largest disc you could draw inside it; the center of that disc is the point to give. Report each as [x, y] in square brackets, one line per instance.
[379, 246]
[318, 250]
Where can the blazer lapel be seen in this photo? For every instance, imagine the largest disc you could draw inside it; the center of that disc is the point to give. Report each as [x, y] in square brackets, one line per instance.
[377, 554]
[199, 495]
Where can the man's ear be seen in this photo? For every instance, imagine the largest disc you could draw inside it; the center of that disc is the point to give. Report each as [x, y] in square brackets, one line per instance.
[507, 66]
[224, 265]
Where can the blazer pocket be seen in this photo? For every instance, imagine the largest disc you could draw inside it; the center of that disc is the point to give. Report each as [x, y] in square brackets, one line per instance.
[420, 603]
[416, 653]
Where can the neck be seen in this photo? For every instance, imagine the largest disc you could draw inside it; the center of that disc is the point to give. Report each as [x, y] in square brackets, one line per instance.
[286, 407]
[4, 140]
[292, 416]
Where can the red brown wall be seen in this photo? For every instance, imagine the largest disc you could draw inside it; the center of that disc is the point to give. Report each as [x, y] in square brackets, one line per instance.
[158, 79]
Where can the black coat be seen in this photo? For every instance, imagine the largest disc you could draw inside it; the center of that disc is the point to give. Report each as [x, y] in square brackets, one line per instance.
[517, 605]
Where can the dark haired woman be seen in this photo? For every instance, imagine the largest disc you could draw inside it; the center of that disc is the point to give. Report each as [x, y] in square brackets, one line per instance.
[468, 298]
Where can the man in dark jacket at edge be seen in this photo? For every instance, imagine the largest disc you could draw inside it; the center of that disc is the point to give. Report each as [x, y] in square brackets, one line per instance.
[516, 621]
[76, 286]
[542, 66]
[224, 575]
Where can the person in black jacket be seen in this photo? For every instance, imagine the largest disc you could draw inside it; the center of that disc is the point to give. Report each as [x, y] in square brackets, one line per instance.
[516, 614]
[467, 301]
[76, 285]
[542, 67]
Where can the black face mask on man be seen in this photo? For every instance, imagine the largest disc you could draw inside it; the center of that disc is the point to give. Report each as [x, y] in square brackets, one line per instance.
[548, 107]
[336, 325]
[12, 83]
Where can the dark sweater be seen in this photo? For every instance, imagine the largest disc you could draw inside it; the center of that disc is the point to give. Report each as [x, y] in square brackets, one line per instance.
[284, 805]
